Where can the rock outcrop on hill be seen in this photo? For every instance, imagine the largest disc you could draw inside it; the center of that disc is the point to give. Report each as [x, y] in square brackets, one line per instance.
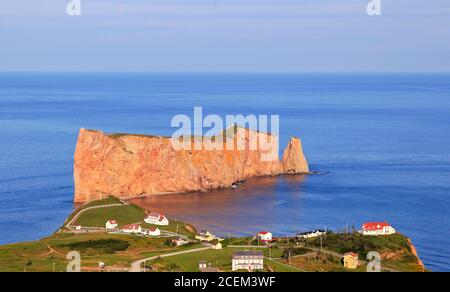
[127, 166]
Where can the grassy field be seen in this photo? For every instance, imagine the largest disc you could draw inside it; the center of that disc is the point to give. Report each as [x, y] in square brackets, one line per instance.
[124, 215]
[41, 255]
[108, 201]
[395, 249]
[218, 258]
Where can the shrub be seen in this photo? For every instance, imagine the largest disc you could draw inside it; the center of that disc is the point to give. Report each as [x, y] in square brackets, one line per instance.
[108, 246]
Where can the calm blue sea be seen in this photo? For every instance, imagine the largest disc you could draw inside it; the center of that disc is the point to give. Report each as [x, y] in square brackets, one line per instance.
[384, 139]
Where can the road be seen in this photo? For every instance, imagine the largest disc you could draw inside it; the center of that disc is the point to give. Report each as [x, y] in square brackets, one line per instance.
[69, 224]
[137, 265]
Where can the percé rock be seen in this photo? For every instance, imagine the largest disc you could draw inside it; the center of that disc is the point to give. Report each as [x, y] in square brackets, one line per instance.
[293, 159]
[127, 166]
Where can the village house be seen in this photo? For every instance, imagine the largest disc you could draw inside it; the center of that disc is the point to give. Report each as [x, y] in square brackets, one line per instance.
[350, 260]
[157, 219]
[311, 234]
[377, 228]
[214, 244]
[206, 267]
[132, 229]
[248, 260]
[78, 227]
[111, 224]
[153, 231]
[264, 236]
[217, 245]
[180, 241]
[207, 236]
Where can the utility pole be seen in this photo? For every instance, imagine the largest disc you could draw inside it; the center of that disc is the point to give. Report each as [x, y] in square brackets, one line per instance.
[321, 244]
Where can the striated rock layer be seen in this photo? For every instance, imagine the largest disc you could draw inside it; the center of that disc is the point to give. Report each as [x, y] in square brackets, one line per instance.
[128, 166]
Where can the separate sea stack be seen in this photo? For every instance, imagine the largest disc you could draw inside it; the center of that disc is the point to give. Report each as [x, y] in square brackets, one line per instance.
[128, 166]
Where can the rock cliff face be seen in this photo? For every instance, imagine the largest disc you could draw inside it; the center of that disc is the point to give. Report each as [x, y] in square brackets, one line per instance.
[128, 166]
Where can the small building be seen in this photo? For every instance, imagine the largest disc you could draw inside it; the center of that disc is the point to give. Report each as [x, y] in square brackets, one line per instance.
[207, 236]
[350, 260]
[132, 229]
[377, 228]
[157, 219]
[78, 227]
[248, 260]
[264, 236]
[153, 231]
[311, 234]
[217, 245]
[111, 224]
[207, 268]
[180, 241]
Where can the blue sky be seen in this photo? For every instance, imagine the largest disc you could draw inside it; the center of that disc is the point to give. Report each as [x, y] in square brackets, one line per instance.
[225, 35]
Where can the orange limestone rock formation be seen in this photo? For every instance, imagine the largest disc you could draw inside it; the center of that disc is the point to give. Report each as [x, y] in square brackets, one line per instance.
[129, 166]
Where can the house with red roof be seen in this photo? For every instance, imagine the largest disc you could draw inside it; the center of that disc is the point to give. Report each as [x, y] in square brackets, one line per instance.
[157, 219]
[132, 229]
[377, 228]
[350, 260]
[111, 224]
[264, 236]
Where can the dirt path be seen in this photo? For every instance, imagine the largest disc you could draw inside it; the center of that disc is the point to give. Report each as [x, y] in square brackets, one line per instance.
[50, 251]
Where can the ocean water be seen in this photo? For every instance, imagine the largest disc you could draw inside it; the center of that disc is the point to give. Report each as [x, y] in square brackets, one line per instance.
[382, 139]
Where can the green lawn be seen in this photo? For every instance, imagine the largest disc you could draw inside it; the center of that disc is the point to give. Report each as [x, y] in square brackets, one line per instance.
[108, 201]
[218, 258]
[124, 215]
[36, 257]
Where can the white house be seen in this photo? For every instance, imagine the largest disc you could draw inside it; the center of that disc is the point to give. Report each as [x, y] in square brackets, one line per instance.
[132, 229]
[265, 236]
[218, 245]
[377, 228]
[111, 224]
[180, 241]
[207, 236]
[311, 234]
[153, 231]
[78, 227]
[248, 260]
[156, 219]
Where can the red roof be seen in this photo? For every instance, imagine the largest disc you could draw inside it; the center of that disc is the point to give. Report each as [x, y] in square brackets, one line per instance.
[375, 225]
[355, 255]
[112, 221]
[152, 229]
[263, 232]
